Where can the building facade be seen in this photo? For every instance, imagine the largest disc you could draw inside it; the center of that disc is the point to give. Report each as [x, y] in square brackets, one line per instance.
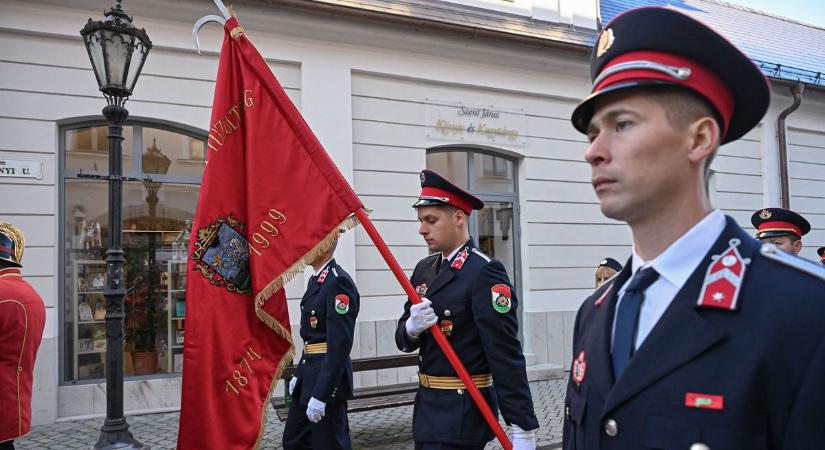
[479, 91]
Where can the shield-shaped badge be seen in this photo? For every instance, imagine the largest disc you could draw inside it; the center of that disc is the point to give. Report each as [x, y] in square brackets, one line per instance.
[447, 327]
[341, 304]
[501, 298]
[579, 369]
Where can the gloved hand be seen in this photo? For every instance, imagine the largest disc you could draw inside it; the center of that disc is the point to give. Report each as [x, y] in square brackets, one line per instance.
[421, 317]
[292, 383]
[523, 440]
[315, 411]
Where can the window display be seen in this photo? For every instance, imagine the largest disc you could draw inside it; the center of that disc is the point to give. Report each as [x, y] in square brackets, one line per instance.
[157, 212]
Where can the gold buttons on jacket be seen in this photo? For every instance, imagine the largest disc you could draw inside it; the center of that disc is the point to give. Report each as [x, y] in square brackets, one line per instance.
[611, 428]
[699, 446]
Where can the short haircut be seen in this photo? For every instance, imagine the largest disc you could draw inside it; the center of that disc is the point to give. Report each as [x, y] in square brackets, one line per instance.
[684, 107]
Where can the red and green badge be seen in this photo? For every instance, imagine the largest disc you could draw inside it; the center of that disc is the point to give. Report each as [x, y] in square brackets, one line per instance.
[579, 368]
[341, 304]
[704, 401]
[447, 327]
[313, 322]
[501, 298]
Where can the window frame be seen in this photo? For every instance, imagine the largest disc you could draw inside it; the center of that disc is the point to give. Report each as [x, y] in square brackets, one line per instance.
[137, 123]
[510, 197]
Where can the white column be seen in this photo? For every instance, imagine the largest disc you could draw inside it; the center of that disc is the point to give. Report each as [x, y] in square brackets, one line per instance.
[326, 104]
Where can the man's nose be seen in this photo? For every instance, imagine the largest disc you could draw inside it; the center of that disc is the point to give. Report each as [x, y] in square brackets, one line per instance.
[597, 152]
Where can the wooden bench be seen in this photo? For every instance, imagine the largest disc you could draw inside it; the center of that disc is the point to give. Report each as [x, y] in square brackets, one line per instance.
[368, 398]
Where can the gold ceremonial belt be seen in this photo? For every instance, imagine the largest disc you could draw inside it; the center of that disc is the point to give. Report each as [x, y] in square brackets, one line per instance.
[314, 349]
[429, 381]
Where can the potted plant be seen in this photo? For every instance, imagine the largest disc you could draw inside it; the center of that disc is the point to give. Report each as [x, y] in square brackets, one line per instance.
[144, 314]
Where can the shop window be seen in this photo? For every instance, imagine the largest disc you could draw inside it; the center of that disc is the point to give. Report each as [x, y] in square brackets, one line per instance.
[163, 167]
[492, 178]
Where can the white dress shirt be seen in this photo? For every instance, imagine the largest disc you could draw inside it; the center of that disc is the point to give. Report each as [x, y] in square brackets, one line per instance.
[674, 265]
[323, 266]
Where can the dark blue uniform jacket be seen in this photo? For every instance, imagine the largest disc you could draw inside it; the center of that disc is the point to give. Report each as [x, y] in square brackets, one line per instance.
[484, 338]
[328, 311]
[760, 369]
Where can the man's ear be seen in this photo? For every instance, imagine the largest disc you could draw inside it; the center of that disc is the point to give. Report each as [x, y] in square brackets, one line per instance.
[705, 135]
[797, 246]
[460, 217]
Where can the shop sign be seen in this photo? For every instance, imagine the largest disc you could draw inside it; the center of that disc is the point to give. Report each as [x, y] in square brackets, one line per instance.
[477, 124]
[20, 168]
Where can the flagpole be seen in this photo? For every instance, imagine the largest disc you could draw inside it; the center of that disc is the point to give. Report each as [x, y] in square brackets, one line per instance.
[435, 330]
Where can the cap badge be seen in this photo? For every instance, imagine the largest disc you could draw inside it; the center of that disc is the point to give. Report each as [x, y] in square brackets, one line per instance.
[313, 322]
[341, 304]
[579, 368]
[765, 214]
[323, 276]
[605, 42]
[447, 327]
[723, 279]
[501, 298]
[458, 262]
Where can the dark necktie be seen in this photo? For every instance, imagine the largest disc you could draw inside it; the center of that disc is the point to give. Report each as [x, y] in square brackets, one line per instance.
[627, 318]
[442, 264]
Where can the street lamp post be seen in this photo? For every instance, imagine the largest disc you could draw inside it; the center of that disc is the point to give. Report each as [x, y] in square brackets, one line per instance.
[117, 51]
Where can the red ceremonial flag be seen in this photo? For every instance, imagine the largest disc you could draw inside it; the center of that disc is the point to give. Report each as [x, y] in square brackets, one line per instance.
[270, 197]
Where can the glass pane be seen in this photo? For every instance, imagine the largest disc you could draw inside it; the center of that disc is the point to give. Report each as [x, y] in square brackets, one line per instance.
[84, 307]
[170, 153]
[495, 234]
[493, 174]
[116, 48]
[87, 149]
[156, 221]
[155, 238]
[452, 165]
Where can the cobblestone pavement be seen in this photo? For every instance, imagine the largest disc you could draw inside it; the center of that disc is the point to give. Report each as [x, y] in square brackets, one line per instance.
[383, 429]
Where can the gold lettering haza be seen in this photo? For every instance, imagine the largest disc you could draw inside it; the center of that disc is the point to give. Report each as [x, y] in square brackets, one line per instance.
[230, 122]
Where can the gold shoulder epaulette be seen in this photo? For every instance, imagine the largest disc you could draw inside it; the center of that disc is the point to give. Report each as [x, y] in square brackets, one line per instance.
[803, 265]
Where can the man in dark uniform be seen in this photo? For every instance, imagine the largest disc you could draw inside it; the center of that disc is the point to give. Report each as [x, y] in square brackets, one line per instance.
[22, 319]
[707, 338]
[470, 297]
[781, 227]
[323, 380]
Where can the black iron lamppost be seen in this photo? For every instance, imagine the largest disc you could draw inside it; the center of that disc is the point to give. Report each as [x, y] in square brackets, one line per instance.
[117, 50]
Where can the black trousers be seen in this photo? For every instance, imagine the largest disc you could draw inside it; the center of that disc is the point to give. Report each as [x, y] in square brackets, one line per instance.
[7, 445]
[443, 446]
[331, 433]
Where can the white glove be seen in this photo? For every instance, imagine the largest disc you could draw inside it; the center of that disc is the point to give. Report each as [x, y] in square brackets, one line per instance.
[315, 411]
[523, 440]
[421, 317]
[292, 383]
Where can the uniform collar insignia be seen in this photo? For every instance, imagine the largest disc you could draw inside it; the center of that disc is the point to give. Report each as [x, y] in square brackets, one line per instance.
[459, 260]
[723, 280]
[323, 275]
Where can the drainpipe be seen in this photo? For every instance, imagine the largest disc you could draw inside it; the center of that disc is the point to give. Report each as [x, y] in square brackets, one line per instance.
[781, 134]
